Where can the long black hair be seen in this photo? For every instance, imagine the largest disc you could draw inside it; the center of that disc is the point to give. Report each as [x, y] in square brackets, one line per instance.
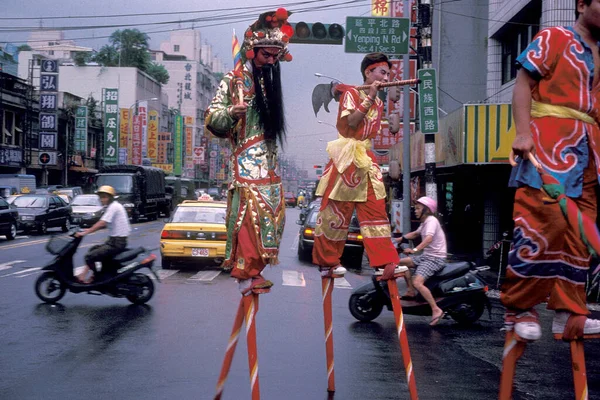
[269, 104]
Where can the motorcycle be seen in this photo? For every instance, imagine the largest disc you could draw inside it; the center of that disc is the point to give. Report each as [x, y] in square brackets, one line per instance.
[125, 281]
[458, 290]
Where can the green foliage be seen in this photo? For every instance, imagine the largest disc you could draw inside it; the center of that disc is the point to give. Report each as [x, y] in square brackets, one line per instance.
[107, 56]
[23, 47]
[81, 58]
[132, 45]
[158, 72]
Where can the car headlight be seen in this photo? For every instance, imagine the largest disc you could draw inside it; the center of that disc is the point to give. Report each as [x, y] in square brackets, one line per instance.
[128, 205]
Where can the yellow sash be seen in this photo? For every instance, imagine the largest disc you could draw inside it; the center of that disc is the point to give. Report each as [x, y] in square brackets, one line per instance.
[345, 151]
[539, 110]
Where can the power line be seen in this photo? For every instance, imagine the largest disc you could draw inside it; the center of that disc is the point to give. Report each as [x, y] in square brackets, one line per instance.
[449, 95]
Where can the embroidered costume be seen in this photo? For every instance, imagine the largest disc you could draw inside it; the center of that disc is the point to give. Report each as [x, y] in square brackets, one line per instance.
[548, 257]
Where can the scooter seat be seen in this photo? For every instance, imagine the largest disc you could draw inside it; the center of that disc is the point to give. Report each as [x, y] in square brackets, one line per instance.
[128, 254]
[454, 269]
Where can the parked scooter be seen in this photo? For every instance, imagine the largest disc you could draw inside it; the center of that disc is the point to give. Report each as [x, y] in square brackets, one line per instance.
[458, 290]
[59, 277]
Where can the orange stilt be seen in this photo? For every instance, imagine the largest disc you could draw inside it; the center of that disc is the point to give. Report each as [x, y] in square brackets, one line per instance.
[403, 337]
[327, 286]
[579, 374]
[513, 350]
[250, 310]
[231, 345]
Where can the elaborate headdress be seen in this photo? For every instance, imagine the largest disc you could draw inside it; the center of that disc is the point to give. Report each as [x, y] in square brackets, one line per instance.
[270, 30]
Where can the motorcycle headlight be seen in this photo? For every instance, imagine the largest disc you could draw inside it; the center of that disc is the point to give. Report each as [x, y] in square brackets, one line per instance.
[128, 205]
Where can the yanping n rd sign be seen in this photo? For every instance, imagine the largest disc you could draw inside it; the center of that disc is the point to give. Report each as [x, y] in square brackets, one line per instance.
[377, 34]
[428, 101]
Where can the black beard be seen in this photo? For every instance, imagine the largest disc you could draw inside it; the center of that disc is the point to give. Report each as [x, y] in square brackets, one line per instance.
[269, 104]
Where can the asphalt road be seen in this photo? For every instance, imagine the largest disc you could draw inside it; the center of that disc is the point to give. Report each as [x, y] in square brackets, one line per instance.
[97, 347]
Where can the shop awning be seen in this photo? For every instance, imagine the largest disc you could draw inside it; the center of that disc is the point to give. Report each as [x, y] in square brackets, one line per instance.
[84, 170]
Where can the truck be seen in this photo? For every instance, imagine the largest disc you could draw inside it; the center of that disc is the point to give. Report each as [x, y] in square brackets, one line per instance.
[140, 189]
[16, 184]
[181, 189]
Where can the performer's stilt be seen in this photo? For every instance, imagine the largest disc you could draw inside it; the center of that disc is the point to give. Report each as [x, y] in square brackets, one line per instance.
[513, 350]
[231, 345]
[402, 336]
[250, 310]
[327, 286]
[579, 375]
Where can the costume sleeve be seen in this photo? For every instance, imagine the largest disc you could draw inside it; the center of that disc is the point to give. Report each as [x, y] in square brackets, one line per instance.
[542, 54]
[217, 118]
[348, 103]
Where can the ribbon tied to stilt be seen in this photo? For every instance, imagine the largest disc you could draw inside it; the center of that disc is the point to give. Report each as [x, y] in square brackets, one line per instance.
[345, 151]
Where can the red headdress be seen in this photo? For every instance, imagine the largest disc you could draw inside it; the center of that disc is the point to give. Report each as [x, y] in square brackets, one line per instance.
[270, 30]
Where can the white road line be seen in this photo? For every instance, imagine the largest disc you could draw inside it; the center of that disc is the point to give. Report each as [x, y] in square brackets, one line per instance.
[293, 278]
[22, 272]
[342, 283]
[165, 273]
[10, 264]
[295, 244]
[29, 274]
[205, 276]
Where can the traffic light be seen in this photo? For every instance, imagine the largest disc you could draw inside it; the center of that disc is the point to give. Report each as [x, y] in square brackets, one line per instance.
[317, 33]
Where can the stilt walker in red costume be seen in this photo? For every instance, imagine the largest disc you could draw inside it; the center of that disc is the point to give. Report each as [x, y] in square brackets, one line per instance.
[248, 110]
[556, 110]
[352, 181]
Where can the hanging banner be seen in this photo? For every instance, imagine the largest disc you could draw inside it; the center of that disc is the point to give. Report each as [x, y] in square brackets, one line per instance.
[143, 113]
[153, 135]
[178, 145]
[81, 128]
[164, 138]
[136, 141]
[111, 127]
[124, 133]
[189, 145]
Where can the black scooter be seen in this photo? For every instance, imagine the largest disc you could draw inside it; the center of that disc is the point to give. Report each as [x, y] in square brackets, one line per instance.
[458, 290]
[58, 277]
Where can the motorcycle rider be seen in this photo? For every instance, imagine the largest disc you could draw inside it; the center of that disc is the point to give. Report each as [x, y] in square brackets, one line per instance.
[433, 246]
[116, 220]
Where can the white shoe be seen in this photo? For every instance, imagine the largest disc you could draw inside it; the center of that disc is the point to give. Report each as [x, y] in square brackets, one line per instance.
[337, 271]
[529, 328]
[591, 327]
[399, 269]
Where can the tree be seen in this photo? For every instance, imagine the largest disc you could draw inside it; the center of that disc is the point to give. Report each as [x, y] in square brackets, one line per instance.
[81, 58]
[158, 72]
[107, 56]
[23, 47]
[131, 46]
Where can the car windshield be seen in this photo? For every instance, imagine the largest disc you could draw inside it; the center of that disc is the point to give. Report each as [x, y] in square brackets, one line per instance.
[312, 218]
[65, 192]
[91, 200]
[30, 201]
[123, 184]
[211, 215]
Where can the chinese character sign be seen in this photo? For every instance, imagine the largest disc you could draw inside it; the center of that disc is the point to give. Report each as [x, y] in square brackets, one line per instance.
[124, 128]
[428, 104]
[164, 138]
[136, 141]
[81, 129]
[153, 135]
[48, 117]
[143, 113]
[178, 145]
[111, 126]
[189, 145]
[380, 8]
[397, 9]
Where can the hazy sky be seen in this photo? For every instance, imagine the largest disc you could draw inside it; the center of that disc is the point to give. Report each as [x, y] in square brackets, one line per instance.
[306, 137]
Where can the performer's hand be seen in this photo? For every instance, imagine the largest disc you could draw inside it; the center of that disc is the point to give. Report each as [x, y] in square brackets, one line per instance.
[239, 110]
[523, 145]
[374, 89]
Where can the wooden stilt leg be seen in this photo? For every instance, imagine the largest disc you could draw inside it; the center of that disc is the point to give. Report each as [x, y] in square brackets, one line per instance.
[513, 350]
[250, 309]
[231, 345]
[327, 286]
[403, 338]
[579, 374]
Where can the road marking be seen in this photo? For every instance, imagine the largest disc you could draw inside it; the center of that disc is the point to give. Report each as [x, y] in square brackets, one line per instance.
[17, 245]
[22, 272]
[10, 264]
[342, 283]
[165, 273]
[29, 274]
[295, 244]
[205, 276]
[293, 278]
[21, 237]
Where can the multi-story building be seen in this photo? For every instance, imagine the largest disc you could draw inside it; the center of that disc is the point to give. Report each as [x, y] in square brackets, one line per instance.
[53, 45]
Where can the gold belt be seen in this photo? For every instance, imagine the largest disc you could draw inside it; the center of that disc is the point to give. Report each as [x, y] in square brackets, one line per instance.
[539, 110]
[345, 151]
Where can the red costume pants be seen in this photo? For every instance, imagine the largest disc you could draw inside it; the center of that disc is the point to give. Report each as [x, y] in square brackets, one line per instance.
[247, 259]
[332, 230]
[548, 258]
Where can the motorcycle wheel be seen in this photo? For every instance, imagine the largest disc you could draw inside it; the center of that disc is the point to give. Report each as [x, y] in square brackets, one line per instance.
[364, 307]
[468, 312]
[48, 288]
[145, 285]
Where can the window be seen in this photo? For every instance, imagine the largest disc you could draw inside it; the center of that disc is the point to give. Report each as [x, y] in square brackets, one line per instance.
[51, 52]
[3, 205]
[176, 48]
[8, 129]
[517, 35]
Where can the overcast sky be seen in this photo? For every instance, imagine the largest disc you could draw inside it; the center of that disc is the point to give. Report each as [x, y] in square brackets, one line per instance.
[306, 137]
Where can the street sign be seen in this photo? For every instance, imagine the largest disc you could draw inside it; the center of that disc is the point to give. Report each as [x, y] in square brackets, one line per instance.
[47, 140]
[50, 66]
[428, 103]
[371, 34]
[47, 158]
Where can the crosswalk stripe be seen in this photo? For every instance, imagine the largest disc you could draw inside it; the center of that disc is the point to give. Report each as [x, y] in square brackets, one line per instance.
[165, 273]
[293, 278]
[342, 283]
[10, 264]
[21, 272]
[205, 276]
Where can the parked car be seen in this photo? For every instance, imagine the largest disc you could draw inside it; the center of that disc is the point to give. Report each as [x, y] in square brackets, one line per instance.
[48, 189]
[9, 220]
[87, 209]
[7, 191]
[290, 199]
[42, 211]
[72, 192]
[353, 249]
[196, 232]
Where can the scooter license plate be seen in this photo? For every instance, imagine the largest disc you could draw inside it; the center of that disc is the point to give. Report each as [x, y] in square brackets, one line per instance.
[199, 252]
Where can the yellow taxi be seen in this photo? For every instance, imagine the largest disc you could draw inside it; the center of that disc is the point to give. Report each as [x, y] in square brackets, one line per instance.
[196, 233]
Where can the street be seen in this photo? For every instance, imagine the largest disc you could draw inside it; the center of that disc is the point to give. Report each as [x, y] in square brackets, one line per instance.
[97, 347]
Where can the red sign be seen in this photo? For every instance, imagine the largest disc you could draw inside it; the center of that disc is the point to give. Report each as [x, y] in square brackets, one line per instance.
[136, 139]
[397, 72]
[398, 10]
[385, 139]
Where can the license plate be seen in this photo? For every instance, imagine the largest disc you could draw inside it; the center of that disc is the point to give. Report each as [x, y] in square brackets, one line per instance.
[199, 252]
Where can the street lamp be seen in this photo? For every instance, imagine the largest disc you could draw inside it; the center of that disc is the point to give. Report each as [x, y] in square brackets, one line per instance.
[130, 125]
[325, 76]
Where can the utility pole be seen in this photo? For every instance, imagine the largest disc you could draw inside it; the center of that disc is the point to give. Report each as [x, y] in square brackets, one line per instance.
[406, 137]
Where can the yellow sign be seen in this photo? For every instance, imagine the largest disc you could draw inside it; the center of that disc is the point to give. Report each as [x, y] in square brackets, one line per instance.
[489, 133]
[153, 135]
[168, 168]
[124, 128]
[189, 144]
[188, 121]
[380, 8]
